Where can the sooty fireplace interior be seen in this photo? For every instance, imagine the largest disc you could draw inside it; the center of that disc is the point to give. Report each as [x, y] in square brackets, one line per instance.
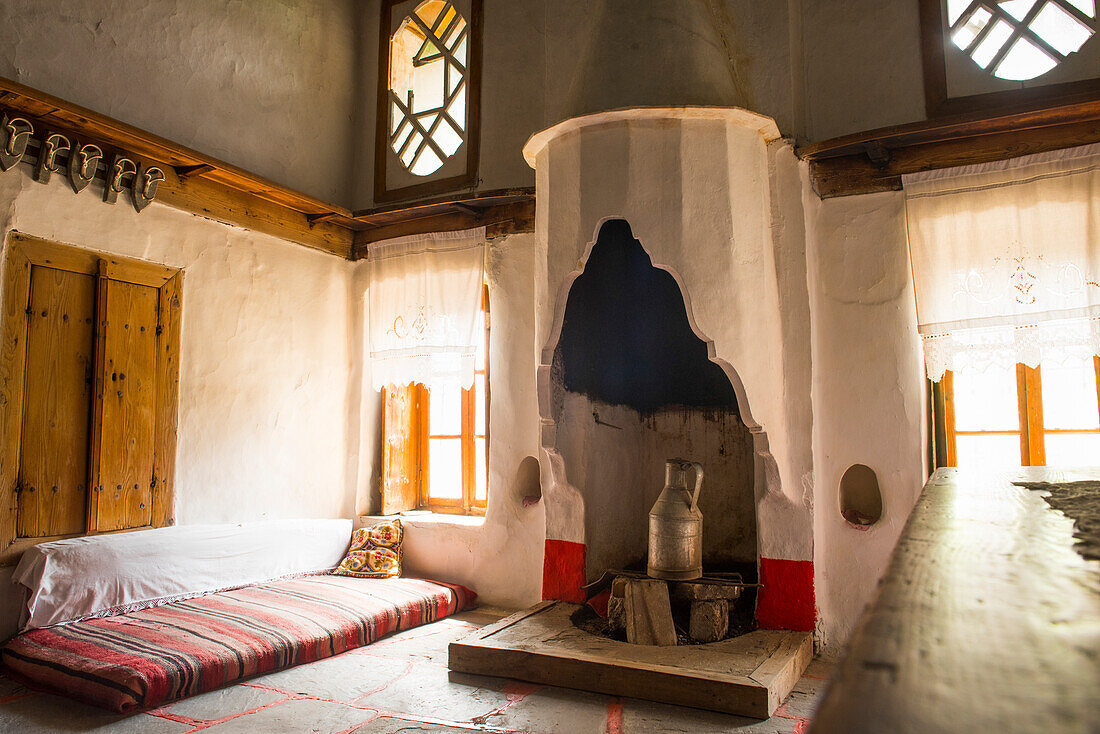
[633, 386]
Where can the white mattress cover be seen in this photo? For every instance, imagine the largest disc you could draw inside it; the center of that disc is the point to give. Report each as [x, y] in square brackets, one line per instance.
[77, 578]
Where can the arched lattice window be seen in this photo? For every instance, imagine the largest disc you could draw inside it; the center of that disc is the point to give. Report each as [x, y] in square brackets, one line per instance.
[428, 97]
[1020, 39]
[991, 55]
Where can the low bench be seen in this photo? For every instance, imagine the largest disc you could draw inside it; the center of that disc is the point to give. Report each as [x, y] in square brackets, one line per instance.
[133, 621]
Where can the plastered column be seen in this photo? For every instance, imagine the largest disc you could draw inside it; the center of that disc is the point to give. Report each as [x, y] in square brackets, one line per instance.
[868, 393]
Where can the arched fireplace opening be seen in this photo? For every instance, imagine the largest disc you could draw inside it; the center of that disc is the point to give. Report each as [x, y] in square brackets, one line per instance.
[631, 386]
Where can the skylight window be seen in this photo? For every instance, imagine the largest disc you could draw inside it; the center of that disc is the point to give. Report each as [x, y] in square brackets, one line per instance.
[1019, 40]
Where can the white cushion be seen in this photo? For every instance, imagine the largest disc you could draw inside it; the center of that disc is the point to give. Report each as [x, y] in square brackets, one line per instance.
[98, 575]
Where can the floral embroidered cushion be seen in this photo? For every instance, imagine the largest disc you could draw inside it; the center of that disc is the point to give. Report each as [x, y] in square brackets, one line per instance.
[375, 552]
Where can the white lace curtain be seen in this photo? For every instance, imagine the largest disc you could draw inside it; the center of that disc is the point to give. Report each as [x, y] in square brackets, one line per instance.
[424, 302]
[1006, 260]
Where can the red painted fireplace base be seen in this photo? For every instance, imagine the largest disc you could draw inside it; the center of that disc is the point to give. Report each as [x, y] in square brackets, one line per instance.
[786, 602]
[563, 571]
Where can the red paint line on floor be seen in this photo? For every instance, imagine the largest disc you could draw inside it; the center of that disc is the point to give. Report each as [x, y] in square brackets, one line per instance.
[178, 718]
[802, 724]
[615, 716]
[519, 690]
[515, 691]
[16, 697]
[384, 686]
[208, 724]
[361, 724]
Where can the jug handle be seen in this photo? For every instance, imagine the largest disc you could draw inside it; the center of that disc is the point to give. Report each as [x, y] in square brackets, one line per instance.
[698, 482]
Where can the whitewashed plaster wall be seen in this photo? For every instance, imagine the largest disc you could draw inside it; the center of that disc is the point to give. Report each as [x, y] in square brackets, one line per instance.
[500, 555]
[264, 368]
[868, 393]
[268, 86]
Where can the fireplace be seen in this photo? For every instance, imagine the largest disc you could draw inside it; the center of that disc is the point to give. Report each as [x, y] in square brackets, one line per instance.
[670, 329]
[672, 308]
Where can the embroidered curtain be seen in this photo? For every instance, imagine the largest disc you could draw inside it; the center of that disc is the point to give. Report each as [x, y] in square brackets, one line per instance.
[1006, 260]
[424, 300]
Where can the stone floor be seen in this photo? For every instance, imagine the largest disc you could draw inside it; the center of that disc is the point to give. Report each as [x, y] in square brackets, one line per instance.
[399, 684]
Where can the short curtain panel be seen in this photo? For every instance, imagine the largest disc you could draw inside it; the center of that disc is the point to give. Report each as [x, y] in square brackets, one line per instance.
[1006, 260]
[424, 305]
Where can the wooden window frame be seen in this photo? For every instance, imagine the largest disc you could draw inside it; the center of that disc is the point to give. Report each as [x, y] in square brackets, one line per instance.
[472, 142]
[468, 504]
[1029, 401]
[938, 104]
[21, 253]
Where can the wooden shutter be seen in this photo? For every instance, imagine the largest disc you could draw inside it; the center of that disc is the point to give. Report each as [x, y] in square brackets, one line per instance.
[124, 426]
[400, 453]
[89, 385]
[53, 465]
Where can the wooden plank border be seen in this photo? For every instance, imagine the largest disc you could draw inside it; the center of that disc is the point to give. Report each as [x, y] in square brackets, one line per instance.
[757, 695]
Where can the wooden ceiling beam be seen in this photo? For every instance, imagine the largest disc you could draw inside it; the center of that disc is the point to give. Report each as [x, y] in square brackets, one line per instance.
[875, 160]
[499, 220]
[208, 187]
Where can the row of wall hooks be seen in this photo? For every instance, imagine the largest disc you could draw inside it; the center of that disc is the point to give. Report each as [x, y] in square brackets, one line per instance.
[83, 162]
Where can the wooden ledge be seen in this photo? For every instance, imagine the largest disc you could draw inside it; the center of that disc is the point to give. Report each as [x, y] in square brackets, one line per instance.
[501, 212]
[875, 160]
[985, 620]
[208, 187]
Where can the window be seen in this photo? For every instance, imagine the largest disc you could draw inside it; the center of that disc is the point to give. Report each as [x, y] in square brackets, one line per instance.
[1020, 39]
[436, 450]
[455, 439]
[985, 54]
[428, 97]
[1048, 416]
[89, 381]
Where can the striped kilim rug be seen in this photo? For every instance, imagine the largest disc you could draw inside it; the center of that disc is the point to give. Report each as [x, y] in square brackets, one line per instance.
[143, 659]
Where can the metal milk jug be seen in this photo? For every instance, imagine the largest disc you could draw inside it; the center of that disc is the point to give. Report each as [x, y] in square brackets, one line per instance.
[676, 526]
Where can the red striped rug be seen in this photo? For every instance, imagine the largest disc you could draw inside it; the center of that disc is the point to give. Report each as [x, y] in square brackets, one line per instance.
[143, 659]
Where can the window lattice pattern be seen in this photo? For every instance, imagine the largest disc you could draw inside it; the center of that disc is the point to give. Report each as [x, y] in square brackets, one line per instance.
[428, 86]
[1020, 39]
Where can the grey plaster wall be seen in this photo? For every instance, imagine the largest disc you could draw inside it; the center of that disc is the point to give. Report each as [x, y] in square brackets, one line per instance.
[862, 66]
[548, 60]
[287, 88]
[267, 86]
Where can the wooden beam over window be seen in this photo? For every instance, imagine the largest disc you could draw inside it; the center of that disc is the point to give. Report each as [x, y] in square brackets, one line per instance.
[875, 160]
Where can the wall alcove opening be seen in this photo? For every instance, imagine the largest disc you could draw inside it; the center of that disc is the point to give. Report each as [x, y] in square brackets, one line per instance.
[632, 385]
[860, 496]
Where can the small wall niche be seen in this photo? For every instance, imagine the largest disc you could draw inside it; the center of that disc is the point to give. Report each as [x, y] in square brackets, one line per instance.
[860, 496]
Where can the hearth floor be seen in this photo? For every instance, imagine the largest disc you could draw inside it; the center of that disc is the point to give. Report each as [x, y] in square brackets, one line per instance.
[748, 675]
[400, 683]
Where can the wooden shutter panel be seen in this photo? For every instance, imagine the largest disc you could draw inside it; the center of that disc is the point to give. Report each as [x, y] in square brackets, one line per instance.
[124, 428]
[53, 460]
[400, 453]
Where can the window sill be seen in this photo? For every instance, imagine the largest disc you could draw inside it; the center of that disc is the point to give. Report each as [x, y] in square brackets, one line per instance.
[429, 519]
